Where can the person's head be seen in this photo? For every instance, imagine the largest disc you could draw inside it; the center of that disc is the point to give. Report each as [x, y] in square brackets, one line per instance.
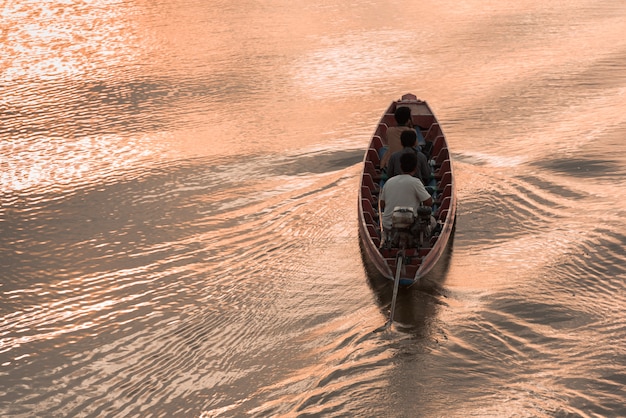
[402, 115]
[408, 138]
[408, 162]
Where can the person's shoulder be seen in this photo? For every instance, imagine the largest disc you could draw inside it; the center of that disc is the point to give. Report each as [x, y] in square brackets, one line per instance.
[394, 180]
[414, 181]
[399, 129]
[402, 178]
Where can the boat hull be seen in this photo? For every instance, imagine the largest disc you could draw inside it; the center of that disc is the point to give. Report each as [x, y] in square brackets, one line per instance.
[417, 262]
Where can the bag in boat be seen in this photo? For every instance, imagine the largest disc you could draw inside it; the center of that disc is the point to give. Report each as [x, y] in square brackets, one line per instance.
[402, 217]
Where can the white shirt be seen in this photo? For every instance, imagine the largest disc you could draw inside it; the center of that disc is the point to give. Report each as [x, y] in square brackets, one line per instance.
[402, 190]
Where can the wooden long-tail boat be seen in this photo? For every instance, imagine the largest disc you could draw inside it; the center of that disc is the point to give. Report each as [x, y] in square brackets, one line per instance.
[416, 262]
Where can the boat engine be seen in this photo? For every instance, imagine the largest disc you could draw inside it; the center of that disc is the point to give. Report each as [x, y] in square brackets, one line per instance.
[407, 229]
[423, 226]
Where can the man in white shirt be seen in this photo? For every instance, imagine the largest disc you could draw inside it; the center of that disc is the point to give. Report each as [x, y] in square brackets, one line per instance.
[403, 190]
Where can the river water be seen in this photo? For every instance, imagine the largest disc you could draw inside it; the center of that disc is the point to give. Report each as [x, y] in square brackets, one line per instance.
[178, 229]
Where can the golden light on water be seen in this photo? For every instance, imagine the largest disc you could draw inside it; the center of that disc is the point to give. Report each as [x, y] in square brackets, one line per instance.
[65, 105]
[56, 163]
[341, 64]
[179, 185]
[55, 39]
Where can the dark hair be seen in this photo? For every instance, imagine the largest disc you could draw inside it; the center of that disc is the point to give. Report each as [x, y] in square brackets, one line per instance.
[402, 115]
[408, 138]
[408, 162]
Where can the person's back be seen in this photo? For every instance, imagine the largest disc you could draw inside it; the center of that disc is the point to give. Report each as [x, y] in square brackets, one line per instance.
[408, 140]
[403, 190]
[402, 115]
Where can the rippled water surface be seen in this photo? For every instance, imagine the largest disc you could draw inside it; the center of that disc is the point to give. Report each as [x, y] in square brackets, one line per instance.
[178, 230]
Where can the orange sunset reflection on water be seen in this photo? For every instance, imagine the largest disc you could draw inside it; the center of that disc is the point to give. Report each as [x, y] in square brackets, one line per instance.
[58, 39]
[65, 103]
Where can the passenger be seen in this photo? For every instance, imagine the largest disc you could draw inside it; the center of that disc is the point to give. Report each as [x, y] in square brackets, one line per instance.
[402, 115]
[402, 190]
[409, 142]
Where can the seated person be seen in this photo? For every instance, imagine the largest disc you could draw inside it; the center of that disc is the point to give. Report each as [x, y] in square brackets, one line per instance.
[402, 115]
[409, 143]
[402, 190]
